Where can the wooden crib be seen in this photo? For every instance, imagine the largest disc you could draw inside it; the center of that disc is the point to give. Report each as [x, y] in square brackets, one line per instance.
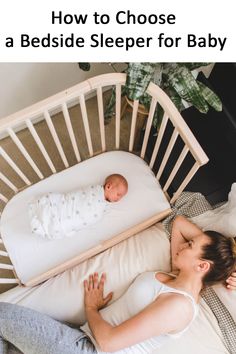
[27, 119]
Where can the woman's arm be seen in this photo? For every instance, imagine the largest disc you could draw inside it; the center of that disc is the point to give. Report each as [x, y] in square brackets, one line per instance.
[94, 301]
[168, 314]
[182, 231]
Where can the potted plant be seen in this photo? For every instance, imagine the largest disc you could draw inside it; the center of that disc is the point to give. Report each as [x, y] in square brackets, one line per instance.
[176, 79]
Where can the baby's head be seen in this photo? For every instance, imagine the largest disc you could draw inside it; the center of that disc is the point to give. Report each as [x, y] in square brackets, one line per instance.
[115, 187]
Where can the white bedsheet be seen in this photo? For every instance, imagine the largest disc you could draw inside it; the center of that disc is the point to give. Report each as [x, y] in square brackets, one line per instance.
[62, 297]
[32, 256]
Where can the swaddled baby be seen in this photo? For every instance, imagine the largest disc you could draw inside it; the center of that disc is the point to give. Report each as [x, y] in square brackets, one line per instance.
[57, 215]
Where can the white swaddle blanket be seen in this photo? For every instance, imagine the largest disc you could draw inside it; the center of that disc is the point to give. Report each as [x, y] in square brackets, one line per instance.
[57, 215]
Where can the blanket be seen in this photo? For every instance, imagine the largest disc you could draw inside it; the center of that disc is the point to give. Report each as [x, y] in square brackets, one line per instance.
[190, 205]
[57, 215]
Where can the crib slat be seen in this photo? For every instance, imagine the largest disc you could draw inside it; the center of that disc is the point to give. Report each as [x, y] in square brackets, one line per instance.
[24, 152]
[4, 199]
[185, 181]
[4, 254]
[40, 144]
[133, 124]
[71, 131]
[176, 167]
[167, 153]
[8, 182]
[148, 127]
[14, 166]
[159, 139]
[9, 281]
[6, 266]
[101, 117]
[86, 124]
[55, 138]
[118, 107]
[178, 122]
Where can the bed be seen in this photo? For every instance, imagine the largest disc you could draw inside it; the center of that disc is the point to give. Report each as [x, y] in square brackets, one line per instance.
[32, 260]
[62, 296]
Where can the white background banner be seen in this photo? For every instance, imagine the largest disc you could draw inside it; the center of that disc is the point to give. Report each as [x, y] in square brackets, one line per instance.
[72, 31]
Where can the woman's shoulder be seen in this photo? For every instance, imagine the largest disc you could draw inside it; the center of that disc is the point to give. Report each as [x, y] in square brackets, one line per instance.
[164, 277]
[180, 310]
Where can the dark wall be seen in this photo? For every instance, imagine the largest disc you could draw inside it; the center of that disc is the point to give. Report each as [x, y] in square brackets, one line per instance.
[216, 132]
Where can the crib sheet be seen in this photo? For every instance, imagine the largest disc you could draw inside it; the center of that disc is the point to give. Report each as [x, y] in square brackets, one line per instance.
[62, 296]
[32, 256]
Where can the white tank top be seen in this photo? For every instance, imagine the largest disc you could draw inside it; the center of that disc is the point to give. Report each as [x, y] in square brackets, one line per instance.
[143, 291]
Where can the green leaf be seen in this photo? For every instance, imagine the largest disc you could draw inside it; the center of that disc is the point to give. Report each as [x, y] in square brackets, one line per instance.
[175, 98]
[212, 99]
[193, 66]
[138, 78]
[183, 82]
[84, 66]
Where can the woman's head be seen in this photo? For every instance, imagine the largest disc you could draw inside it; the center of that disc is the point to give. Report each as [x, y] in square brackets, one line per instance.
[211, 255]
[221, 253]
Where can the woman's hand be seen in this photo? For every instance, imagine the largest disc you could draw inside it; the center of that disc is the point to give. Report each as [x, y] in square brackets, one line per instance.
[93, 292]
[231, 281]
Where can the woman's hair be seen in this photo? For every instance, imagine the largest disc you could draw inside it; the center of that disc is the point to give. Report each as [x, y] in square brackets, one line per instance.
[221, 252]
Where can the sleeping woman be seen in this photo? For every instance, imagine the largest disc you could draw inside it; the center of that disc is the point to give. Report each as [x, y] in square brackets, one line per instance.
[156, 307]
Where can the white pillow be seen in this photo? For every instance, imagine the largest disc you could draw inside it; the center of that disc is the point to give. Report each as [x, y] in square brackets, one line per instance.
[223, 220]
[228, 298]
[62, 296]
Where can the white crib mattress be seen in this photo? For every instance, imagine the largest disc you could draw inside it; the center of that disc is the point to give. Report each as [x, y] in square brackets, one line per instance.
[32, 256]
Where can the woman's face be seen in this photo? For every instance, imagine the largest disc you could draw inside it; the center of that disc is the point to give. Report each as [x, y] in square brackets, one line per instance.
[189, 253]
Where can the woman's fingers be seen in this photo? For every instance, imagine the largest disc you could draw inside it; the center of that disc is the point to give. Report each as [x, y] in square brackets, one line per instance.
[93, 281]
[102, 281]
[231, 281]
[85, 285]
[90, 282]
[94, 291]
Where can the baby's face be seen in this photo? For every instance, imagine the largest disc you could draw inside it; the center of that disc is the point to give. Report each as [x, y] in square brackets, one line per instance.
[114, 191]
